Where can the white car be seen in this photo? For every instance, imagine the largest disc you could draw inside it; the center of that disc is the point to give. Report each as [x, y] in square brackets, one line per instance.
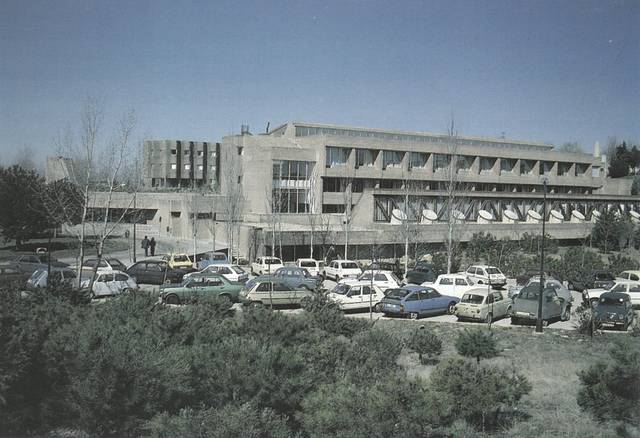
[339, 269]
[383, 279]
[228, 271]
[483, 274]
[481, 305]
[358, 295]
[455, 285]
[311, 265]
[266, 265]
[628, 275]
[109, 283]
[106, 264]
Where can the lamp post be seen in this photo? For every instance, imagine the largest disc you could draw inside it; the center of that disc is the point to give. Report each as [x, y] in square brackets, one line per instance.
[545, 181]
[135, 220]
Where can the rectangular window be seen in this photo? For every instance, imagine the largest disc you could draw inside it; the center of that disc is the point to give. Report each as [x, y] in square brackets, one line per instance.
[174, 166]
[240, 150]
[486, 164]
[507, 165]
[199, 153]
[365, 157]
[464, 163]
[200, 167]
[173, 152]
[186, 152]
[337, 156]
[187, 166]
[418, 160]
[545, 167]
[392, 159]
[441, 162]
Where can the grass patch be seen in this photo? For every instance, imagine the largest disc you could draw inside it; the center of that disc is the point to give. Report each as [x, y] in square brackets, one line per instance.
[550, 361]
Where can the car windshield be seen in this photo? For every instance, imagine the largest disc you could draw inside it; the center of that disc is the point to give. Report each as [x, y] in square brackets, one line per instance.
[472, 299]
[272, 262]
[181, 258]
[398, 294]
[309, 264]
[604, 276]
[611, 301]
[117, 264]
[341, 289]
[619, 288]
[493, 271]
[238, 270]
[349, 265]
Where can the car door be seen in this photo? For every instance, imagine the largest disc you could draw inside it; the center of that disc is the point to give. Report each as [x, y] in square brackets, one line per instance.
[436, 302]
[445, 285]
[283, 294]
[634, 294]
[500, 304]
[353, 298]
[461, 286]
[412, 303]
[552, 303]
[155, 272]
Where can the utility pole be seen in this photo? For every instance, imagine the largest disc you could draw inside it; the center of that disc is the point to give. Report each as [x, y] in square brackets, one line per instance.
[135, 220]
[545, 181]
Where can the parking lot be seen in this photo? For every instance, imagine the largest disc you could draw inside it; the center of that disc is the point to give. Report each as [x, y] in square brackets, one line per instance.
[503, 322]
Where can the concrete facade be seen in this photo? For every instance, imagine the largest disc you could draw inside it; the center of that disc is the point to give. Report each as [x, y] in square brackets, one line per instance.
[362, 185]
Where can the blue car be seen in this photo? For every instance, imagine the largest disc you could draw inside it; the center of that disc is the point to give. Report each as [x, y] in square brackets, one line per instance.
[416, 301]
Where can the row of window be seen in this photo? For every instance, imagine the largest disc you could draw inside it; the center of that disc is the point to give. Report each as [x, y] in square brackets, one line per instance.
[284, 170]
[290, 200]
[339, 156]
[174, 166]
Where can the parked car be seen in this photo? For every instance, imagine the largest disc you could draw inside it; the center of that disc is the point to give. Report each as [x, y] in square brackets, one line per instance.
[211, 258]
[155, 272]
[106, 264]
[628, 275]
[383, 279]
[298, 277]
[631, 288]
[179, 261]
[614, 309]
[484, 274]
[357, 296]
[416, 301]
[452, 284]
[597, 280]
[266, 265]
[533, 274]
[480, 304]
[230, 272]
[201, 285]
[272, 293]
[556, 303]
[395, 267]
[10, 273]
[109, 283]
[311, 265]
[422, 273]
[59, 277]
[28, 263]
[339, 269]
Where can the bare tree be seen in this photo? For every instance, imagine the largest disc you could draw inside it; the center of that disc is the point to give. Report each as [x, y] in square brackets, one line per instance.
[312, 216]
[453, 196]
[346, 187]
[233, 199]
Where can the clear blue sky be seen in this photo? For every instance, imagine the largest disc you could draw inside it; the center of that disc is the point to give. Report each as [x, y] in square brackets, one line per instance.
[551, 71]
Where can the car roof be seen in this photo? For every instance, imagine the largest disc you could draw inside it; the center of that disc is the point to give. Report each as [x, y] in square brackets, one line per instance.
[478, 291]
[631, 271]
[482, 266]
[110, 271]
[307, 260]
[627, 282]
[453, 275]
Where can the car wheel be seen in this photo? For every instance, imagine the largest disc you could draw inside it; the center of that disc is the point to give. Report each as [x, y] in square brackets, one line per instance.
[480, 282]
[594, 302]
[256, 304]
[226, 298]
[337, 278]
[570, 286]
[413, 315]
[172, 299]
[377, 308]
[167, 281]
[451, 308]
[489, 318]
[127, 290]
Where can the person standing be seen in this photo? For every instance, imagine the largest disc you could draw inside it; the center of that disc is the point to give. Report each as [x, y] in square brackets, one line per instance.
[145, 246]
[152, 245]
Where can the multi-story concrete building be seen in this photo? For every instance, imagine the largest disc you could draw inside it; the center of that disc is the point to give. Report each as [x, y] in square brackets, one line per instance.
[180, 163]
[368, 188]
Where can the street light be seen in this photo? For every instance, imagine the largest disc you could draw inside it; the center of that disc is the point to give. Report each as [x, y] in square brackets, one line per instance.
[545, 181]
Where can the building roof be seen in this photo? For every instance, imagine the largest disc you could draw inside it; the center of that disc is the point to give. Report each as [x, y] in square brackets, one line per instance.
[355, 131]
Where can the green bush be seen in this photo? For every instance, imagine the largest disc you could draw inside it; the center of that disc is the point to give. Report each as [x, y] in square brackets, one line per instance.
[326, 315]
[482, 395]
[426, 343]
[477, 343]
[611, 390]
[395, 406]
[243, 421]
[620, 262]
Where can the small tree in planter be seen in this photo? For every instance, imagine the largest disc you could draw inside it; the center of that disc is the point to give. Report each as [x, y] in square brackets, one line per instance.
[427, 344]
[477, 343]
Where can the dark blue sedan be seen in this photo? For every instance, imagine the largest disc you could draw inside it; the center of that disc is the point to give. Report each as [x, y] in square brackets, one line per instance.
[416, 301]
